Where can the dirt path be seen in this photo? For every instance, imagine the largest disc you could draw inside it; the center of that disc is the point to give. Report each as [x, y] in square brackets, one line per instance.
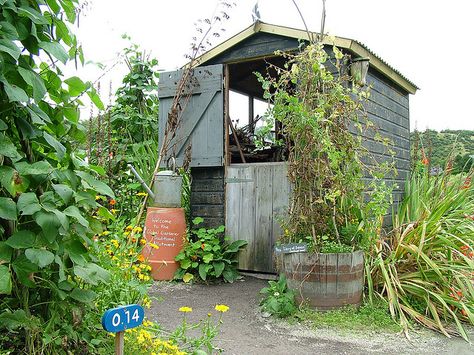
[245, 331]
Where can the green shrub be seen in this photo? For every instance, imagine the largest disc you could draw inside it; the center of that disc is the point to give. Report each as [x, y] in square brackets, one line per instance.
[208, 256]
[279, 299]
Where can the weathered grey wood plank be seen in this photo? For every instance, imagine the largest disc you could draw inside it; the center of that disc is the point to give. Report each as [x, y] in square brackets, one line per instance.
[263, 218]
[202, 119]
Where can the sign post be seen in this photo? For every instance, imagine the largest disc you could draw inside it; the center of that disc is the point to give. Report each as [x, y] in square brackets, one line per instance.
[117, 320]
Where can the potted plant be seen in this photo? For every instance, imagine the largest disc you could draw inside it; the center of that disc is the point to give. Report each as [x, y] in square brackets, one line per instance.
[328, 225]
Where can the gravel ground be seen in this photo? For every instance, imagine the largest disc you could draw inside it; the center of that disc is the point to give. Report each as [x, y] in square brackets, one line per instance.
[246, 331]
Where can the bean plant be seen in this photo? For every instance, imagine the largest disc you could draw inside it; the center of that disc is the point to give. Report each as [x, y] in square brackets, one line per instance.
[48, 207]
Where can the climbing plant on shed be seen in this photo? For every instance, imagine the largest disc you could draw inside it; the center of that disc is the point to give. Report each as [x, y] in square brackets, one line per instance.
[324, 122]
[48, 208]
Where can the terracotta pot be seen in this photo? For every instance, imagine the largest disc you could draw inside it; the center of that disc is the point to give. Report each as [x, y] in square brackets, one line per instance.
[166, 228]
[325, 281]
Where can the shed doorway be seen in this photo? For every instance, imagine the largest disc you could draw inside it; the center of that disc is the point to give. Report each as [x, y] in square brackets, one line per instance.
[256, 183]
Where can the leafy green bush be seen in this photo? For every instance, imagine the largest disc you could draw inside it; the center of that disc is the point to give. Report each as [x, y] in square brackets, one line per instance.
[207, 256]
[279, 299]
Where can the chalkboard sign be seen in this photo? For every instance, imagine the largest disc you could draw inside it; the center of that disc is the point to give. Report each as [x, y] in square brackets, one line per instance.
[291, 248]
[121, 318]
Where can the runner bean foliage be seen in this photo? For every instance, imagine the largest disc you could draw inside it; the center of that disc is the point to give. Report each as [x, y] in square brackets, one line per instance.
[48, 207]
[319, 111]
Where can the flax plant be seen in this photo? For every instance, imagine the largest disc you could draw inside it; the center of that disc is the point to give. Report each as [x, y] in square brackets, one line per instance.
[425, 270]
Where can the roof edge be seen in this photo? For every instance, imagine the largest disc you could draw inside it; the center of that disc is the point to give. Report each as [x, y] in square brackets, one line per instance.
[354, 46]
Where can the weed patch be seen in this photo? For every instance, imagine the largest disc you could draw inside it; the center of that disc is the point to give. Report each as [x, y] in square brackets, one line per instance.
[365, 318]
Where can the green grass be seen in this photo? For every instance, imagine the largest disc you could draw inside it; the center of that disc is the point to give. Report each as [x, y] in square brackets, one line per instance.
[365, 318]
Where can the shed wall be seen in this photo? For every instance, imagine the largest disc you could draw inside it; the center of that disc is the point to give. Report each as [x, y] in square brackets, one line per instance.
[207, 195]
[388, 109]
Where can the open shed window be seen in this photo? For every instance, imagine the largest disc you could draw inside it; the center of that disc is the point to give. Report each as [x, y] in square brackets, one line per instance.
[253, 135]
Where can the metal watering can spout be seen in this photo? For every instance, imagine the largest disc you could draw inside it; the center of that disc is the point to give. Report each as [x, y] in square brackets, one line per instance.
[141, 181]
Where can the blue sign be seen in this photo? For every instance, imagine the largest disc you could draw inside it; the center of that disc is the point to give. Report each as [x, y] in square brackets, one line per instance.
[121, 318]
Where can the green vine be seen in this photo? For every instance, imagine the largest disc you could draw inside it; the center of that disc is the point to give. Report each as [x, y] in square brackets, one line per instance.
[323, 121]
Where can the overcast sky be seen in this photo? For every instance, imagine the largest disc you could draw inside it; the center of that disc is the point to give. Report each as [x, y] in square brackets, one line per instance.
[429, 41]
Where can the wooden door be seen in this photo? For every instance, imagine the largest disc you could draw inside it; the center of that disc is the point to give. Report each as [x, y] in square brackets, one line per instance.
[202, 121]
[257, 197]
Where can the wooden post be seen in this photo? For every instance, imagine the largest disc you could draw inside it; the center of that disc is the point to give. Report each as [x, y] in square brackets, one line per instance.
[119, 343]
[251, 116]
[227, 153]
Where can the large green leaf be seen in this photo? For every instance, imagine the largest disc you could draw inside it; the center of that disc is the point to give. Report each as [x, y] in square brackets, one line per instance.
[73, 211]
[35, 81]
[10, 48]
[64, 191]
[49, 223]
[23, 269]
[7, 148]
[218, 267]
[203, 269]
[33, 15]
[21, 240]
[7, 209]
[37, 115]
[12, 181]
[14, 92]
[95, 98]
[84, 296]
[53, 142]
[9, 31]
[38, 168]
[56, 50]
[92, 273]
[94, 184]
[5, 253]
[236, 246]
[207, 258]
[40, 257]
[230, 275]
[76, 86]
[28, 204]
[5, 280]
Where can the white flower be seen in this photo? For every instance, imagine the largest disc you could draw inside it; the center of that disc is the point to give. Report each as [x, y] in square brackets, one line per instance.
[276, 294]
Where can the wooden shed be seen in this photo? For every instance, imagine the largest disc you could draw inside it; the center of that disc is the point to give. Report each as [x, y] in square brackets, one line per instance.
[249, 191]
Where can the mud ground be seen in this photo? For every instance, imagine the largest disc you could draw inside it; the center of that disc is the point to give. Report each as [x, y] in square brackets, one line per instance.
[246, 331]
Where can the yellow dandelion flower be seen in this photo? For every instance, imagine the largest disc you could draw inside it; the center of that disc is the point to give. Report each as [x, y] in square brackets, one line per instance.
[143, 194]
[113, 211]
[221, 308]
[98, 197]
[185, 309]
[153, 245]
[129, 228]
[147, 303]
[137, 229]
[115, 242]
[105, 233]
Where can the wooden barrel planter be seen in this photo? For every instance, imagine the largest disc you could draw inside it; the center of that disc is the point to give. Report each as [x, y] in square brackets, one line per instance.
[325, 281]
